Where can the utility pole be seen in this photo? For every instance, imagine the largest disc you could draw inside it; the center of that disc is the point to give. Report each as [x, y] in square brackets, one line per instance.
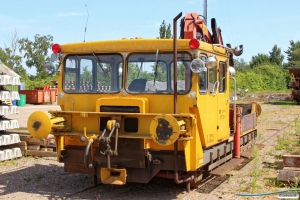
[205, 11]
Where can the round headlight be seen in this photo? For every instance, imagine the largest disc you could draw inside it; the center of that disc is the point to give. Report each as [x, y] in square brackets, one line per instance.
[49, 68]
[197, 66]
[211, 62]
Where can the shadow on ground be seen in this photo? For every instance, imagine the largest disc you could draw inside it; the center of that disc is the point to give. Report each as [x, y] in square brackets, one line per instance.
[51, 182]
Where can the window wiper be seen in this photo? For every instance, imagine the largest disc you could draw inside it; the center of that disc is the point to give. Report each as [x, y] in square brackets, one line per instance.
[156, 63]
[140, 68]
[99, 63]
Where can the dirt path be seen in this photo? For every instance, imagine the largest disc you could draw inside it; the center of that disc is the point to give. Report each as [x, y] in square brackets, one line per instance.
[44, 178]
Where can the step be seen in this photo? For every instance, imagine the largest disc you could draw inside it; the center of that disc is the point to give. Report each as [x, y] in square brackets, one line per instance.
[249, 152]
[227, 167]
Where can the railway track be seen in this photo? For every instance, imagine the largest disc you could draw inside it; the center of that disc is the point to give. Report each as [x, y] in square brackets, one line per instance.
[206, 186]
[212, 182]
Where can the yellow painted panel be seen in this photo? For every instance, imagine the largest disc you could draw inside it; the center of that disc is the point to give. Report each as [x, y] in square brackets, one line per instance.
[69, 105]
[193, 151]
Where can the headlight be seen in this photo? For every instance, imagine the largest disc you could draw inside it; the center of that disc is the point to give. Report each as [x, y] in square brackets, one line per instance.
[211, 62]
[197, 66]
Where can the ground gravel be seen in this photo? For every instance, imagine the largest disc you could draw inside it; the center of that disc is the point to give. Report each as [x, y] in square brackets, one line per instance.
[44, 178]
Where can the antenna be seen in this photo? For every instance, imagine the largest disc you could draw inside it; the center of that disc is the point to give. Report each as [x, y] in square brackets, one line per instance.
[86, 22]
[205, 11]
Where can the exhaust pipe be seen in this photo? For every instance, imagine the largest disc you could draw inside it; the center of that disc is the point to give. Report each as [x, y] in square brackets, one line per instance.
[176, 179]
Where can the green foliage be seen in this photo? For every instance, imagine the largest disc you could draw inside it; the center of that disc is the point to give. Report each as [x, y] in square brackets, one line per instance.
[165, 32]
[34, 81]
[135, 71]
[162, 30]
[241, 65]
[260, 59]
[265, 77]
[293, 55]
[87, 74]
[36, 52]
[275, 56]
[255, 173]
[103, 74]
[10, 58]
[293, 51]
[168, 32]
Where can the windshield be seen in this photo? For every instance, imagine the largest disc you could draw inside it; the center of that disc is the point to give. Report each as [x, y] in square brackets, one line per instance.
[153, 73]
[95, 73]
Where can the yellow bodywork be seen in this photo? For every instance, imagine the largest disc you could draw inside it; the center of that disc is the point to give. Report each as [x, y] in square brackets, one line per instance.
[201, 121]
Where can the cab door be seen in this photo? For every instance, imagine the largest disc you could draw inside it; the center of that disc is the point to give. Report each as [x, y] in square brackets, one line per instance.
[223, 102]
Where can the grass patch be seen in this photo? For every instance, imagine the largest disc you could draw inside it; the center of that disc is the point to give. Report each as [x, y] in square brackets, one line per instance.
[284, 143]
[255, 172]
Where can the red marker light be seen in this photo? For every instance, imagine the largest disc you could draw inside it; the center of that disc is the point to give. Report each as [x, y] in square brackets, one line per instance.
[194, 43]
[56, 48]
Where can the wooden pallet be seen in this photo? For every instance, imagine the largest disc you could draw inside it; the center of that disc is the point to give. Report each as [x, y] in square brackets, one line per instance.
[32, 144]
[8, 102]
[291, 169]
[44, 152]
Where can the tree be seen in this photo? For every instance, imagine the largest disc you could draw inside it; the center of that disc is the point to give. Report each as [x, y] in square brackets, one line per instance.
[260, 59]
[291, 50]
[9, 56]
[165, 32]
[162, 30]
[168, 32]
[240, 65]
[275, 56]
[293, 55]
[36, 52]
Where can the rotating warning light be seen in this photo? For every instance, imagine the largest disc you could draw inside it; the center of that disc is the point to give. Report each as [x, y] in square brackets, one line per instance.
[56, 48]
[194, 43]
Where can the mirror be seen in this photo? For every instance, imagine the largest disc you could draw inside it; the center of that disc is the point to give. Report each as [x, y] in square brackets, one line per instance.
[49, 68]
[238, 50]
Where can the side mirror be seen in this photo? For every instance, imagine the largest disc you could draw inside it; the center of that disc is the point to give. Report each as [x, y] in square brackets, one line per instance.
[238, 50]
[49, 68]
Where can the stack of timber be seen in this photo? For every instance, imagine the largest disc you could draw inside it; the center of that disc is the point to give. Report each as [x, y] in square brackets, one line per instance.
[291, 169]
[36, 147]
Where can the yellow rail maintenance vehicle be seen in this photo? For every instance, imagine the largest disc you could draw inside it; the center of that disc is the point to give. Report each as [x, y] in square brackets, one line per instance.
[134, 109]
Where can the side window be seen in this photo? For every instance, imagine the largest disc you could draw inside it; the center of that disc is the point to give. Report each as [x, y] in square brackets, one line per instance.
[71, 74]
[86, 75]
[222, 77]
[202, 79]
[183, 77]
[212, 79]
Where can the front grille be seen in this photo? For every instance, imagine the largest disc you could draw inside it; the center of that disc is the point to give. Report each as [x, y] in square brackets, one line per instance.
[123, 109]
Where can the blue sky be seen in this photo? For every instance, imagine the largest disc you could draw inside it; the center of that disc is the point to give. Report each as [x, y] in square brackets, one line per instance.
[257, 24]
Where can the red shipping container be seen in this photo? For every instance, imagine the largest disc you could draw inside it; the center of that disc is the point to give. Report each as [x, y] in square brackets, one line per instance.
[53, 93]
[36, 96]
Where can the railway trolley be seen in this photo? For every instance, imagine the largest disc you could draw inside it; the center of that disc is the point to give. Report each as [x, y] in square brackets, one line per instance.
[134, 109]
